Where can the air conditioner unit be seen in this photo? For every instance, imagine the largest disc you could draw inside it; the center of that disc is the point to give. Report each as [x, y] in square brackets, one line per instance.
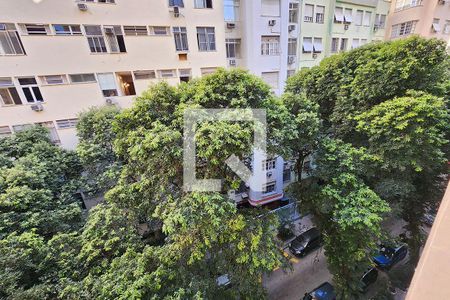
[109, 29]
[376, 27]
[176, 11]
[231, 25]
[346, 27]
[269, 174]
[232, 62]
[110, 101]
[314, 55]
[441, 2]
[291, 28]
[82, 6]
[291, 59]
[272, 22]
[37, 107]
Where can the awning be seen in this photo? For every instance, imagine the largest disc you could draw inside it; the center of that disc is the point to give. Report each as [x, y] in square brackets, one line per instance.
[348, 16]
[338, 14]
[307, 45]
[318, 45]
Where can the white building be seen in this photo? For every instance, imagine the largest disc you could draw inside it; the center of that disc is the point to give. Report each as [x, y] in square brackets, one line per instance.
[257, 37]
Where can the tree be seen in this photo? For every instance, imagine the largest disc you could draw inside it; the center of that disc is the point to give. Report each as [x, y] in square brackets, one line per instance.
[408, 136]
[95, 148]
[206, 235]
[346, 210]
[38, 181]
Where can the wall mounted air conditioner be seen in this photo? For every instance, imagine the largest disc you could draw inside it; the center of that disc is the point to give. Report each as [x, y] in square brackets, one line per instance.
[346, 27]
[232, 62]
[110, 101]
[82, 6]
[314, 55]
[291, 59]
[231, 25]
[109, 29]
[269, 174]
[291, 28]
[272, 22]
[37, 107]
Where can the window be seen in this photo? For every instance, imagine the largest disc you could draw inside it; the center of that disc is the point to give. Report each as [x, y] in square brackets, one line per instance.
[270, 8]
[107, 84]
[286, 175]
[54, 79]
[206, 71]
[21, 127]
[355, 43]
[348, 12]
[176, 3]
[233, 47]
[82, 78]
[269, 188]
[343, 46]
[206, 39]
[338, 15]
[317, 45]
[270, 45]
[404, 4]
[292, 47]
[144, 74]
[95, 38]
[185, 75]
[8, 92]
[126, 84]
[359, 17]
[367, 17]
[447, 27]
[159, 30]
[5, 131]
[309, 13]
[135, 30]
[307, 45]
[36, 29]
[54, 137]
[180, 36]
[203, 3]
[403, 29]
[114, 39]
[320, 14]
[435, 26]
[271, 78]
[269, 164]
[363, 42]
[67, 29]
[167, 73]
[380, 21]
[334, 45]
[67, 123]
[231, 10]
[30, 89]
[10, 43]
[293, 12]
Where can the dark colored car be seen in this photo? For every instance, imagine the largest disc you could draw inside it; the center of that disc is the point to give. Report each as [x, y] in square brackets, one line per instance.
[325, 291]
[369, 277]
[390, 256]
[306, 242]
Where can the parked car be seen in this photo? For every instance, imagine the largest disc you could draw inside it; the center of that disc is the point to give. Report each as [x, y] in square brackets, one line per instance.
[325, 291]
[368, 278]
[306, 242]
[389, 256]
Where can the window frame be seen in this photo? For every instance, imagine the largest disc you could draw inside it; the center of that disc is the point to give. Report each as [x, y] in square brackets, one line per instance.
[210, 39]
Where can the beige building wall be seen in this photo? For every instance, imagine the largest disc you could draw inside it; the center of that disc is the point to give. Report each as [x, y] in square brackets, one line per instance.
[423, 14]
[53, 54]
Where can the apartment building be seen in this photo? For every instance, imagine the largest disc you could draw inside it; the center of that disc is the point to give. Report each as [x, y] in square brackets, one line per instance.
[423, 17]
[332, 26]
[261, 36]
[59, 58]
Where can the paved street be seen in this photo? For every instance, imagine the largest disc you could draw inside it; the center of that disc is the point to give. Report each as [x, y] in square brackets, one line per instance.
[308, 273]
